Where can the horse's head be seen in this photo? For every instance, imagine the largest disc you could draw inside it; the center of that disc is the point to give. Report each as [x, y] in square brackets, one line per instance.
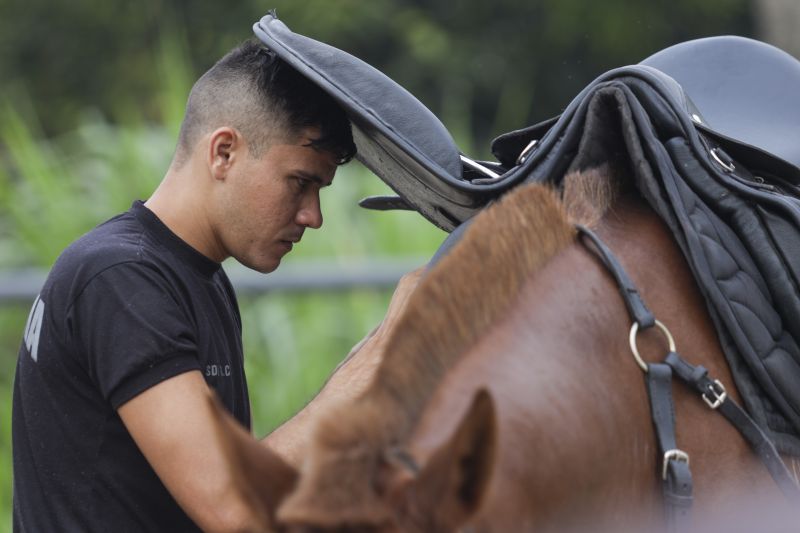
[353, 486]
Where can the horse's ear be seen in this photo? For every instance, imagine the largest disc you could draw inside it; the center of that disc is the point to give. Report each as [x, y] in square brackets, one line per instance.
[261, 476]
[450, 486]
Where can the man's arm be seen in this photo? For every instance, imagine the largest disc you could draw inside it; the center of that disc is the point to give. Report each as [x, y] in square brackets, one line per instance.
[174, 426]
[350, 378]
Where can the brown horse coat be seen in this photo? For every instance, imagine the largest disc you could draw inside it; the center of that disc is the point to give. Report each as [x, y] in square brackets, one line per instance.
[509, 379]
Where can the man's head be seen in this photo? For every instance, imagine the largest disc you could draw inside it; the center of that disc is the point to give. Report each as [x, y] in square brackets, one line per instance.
[257, 142]
[268, 101]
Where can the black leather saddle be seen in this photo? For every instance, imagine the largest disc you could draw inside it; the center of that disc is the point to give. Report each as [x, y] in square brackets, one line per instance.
[708, 128]
[403, 143]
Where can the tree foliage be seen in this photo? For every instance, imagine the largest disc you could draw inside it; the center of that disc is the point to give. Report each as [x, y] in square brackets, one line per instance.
[483, 66]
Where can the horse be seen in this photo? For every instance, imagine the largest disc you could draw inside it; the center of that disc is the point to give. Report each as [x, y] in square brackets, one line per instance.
[506, 397]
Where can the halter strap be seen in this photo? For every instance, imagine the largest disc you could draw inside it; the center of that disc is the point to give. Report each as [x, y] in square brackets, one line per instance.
[676, 477]
[713, 393]
[630, 294]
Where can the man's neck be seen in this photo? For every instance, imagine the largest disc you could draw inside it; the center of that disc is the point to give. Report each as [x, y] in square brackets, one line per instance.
[181, 208]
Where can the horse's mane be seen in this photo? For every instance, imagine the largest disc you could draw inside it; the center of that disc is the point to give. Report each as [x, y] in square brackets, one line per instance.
[454, 304]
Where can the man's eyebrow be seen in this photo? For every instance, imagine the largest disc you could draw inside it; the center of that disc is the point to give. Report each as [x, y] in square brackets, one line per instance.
[313, 177]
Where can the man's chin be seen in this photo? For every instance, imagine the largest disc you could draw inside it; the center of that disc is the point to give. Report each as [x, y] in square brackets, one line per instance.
[264, 266]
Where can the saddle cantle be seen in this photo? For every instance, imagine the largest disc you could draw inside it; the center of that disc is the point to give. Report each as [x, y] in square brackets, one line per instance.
[746, 96]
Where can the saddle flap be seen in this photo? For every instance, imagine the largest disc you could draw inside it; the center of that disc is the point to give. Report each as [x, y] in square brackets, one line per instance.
[397, 137]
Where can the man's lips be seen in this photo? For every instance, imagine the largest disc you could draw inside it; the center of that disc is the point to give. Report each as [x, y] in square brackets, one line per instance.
[290, 241]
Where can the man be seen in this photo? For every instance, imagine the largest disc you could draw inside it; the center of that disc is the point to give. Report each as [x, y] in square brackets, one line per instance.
[137, 319]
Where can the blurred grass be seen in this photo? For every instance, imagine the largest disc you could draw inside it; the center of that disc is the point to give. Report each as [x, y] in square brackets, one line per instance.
[54, 190]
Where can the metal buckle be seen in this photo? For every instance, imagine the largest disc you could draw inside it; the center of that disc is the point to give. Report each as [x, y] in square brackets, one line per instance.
[718, 397]
[677, 455]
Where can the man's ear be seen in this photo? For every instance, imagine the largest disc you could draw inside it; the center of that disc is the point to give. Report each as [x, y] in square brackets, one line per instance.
[225, 145]
[258, 473]
[450, 487]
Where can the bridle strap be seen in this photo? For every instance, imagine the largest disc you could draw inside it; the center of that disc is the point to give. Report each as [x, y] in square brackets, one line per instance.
[697, 378]
[630, 294]
[676, 477]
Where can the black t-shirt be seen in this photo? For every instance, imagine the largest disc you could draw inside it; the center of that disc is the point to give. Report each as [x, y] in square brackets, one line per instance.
[125, 307]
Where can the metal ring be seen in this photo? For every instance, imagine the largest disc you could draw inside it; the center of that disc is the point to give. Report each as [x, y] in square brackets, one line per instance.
[730, 167]
[635, 349]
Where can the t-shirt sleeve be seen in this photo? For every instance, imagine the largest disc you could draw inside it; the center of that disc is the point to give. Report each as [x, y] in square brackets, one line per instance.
[130, 329]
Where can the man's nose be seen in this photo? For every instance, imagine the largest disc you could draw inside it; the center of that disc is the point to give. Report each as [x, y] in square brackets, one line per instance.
[310, 213]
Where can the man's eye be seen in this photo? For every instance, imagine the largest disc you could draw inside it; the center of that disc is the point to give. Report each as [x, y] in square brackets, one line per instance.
[302, 183]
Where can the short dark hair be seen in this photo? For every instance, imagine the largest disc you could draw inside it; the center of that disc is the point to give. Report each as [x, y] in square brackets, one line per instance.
[261, 95]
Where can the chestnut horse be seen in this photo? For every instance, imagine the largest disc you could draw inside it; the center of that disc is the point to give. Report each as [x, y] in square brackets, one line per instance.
[506, 397]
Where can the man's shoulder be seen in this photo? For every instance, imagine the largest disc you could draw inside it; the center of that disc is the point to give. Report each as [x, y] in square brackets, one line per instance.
[121, 239]
[119, 244]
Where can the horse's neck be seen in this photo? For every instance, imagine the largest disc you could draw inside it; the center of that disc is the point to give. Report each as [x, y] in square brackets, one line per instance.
[572, 407]
[572, 411]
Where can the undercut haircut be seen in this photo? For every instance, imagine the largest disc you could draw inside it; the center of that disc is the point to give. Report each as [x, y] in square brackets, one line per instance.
[268, 101]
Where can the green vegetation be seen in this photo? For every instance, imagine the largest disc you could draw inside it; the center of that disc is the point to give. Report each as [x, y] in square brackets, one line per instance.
[484, 67]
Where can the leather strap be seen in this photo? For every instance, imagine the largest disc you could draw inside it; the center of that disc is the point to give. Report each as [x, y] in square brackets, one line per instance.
[630, 294]
[715, 396]
[676, 478]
